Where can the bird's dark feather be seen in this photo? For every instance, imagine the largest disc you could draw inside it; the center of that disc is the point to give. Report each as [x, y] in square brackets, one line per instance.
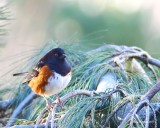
[30, 76]
[34, 72]
[20, 74]
[57, 64]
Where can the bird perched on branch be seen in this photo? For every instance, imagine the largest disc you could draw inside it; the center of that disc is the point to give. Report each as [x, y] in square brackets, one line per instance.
[50, 75]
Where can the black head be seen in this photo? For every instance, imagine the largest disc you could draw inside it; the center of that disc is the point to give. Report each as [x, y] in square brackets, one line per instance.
[58, 53]
[56, 61]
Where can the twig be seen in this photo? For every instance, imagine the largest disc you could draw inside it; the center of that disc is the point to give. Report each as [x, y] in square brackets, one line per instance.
[18, 110]
[48, 119]
[53, 115]
[147, 116]
[39, 117]
[150, 60]
[154, 115]
[150, 94]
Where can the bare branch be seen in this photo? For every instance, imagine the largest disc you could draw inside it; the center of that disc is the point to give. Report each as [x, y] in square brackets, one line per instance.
[147, 117]
[40, 116]
[18, 110]
[150, 94]
[53, 116]
[154, 115]
[48, 119]
[150, 60]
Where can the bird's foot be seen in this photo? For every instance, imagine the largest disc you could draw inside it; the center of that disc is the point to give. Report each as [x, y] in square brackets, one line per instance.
[59, 101]
[49, 105]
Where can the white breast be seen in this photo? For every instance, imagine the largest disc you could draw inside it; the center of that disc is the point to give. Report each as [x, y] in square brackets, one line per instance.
[56, 84]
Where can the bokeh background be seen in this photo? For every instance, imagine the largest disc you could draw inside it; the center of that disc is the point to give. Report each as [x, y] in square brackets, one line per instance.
[87, 23]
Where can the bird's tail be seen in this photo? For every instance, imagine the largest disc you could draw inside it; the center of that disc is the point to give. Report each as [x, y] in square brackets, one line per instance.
[20, 74]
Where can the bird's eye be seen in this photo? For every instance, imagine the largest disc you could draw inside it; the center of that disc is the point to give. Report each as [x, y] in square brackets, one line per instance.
[56, 54]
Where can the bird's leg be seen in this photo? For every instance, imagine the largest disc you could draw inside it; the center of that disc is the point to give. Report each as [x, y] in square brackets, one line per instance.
[59, 100]
[48, 104]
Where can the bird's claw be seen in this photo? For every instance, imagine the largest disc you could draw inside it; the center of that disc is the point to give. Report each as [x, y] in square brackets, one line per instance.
[49, 105]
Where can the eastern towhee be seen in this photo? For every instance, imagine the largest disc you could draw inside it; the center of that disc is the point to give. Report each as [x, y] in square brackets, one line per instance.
[50, 75]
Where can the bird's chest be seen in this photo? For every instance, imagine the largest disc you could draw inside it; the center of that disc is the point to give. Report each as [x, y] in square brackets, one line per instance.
[56, 83]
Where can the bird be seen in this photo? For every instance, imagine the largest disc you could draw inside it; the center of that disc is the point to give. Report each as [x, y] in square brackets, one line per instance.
[50, 75]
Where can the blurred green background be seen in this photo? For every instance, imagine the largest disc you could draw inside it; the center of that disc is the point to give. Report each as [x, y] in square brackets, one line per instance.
[87, 23]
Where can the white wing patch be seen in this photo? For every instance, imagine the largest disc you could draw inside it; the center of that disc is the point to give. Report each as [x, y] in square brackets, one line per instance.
[56, 84]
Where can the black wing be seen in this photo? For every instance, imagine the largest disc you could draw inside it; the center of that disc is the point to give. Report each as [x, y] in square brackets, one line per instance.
[34, 72]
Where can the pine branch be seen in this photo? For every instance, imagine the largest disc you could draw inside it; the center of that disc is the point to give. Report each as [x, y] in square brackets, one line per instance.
[143, 102]
[63, 100]
[117, 58]
[145, 99]
[21, 106]
[153, 91]
[150, 60]
[145, 59]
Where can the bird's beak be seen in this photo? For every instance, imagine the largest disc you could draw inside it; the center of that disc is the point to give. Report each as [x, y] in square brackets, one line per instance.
[62, 56]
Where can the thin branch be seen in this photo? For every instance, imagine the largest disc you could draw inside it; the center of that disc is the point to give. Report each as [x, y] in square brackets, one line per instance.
[154, 115]
[18, 110]
[40, 116]
[147, 116]
[48, 119]
[150, 60]
[53, 116]
[150, 94]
